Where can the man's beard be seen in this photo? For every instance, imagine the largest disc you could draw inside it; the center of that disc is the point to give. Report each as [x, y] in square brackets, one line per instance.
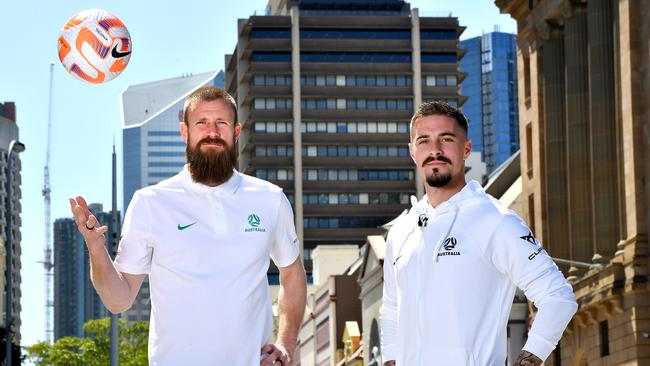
[436, 179]
[213, 167]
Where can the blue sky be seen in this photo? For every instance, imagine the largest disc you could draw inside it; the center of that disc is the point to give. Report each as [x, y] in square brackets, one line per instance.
[170, 38]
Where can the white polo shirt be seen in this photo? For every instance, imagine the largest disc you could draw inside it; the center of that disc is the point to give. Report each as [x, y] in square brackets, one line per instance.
[206, 250]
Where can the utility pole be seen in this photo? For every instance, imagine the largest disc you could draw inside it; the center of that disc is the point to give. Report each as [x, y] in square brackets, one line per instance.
[115, 237]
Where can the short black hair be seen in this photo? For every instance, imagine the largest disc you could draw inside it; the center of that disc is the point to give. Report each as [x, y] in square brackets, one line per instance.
[440, 108]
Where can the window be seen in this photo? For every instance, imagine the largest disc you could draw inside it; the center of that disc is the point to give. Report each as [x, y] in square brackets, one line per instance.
[604, 338]
[439, 58]
[270, 33]
[271, 57]
[438, 34]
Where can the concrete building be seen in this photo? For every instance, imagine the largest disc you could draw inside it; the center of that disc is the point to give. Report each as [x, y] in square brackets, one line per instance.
[9, 132]
[75, 298]
[153, 149]
[325, 91]
[584, 81]
[491, 88]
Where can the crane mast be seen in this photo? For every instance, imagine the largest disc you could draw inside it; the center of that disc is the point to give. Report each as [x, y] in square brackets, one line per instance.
[47, 258]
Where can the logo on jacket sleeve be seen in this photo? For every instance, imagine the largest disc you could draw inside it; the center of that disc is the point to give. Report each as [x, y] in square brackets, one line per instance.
[529, 238]
[254, 221]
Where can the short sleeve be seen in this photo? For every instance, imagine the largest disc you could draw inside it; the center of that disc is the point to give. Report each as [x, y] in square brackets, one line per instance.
[285, 247]
[135, 251]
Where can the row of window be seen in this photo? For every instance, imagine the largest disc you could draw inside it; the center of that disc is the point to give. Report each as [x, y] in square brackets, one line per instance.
[272, 80]
[320, 151]
[354, 57]
[356, 80]
[356, 103]
[347, 80]
[333, 127]
[344, 222]
[273, 103]
[273, 150]
[274, 174]
[166, 164]
[165, 153]
[383, 198]
[324, 33]
[439, 80]
[354, 151]
[354, 174]
[373, 104]
[163, 133]
[335, 174]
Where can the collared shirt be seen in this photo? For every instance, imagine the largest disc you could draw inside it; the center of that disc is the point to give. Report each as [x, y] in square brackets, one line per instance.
[206, 250]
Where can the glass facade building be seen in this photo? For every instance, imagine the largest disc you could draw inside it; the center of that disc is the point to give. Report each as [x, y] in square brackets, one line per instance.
[491, 88]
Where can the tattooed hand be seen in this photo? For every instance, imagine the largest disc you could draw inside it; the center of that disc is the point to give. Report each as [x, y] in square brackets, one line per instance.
[527, 359]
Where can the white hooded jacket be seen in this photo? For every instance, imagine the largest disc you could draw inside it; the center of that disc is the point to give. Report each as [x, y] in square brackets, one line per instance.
[449, 284]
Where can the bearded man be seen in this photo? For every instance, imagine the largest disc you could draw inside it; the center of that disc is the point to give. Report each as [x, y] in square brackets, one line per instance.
[204, 237]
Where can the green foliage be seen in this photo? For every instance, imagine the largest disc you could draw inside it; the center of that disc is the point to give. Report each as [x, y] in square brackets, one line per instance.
[94, 350]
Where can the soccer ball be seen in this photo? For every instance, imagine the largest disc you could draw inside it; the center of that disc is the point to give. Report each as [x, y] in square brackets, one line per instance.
[94, 46]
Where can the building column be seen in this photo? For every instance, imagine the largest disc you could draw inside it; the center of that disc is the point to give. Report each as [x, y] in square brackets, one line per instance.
[578, 175]
[297, 122]
[555, 192]
[604, 162]
[633, 69]
[417, 84]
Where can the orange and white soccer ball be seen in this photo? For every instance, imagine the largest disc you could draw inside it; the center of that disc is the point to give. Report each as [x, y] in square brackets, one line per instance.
[94, 46]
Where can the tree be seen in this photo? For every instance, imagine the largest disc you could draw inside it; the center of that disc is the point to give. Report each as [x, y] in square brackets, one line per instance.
[94, 350]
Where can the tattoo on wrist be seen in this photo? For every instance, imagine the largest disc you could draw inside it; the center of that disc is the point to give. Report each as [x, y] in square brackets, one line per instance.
[527, 359]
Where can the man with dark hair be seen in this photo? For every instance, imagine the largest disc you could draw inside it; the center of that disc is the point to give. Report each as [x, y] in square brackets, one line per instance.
[204, 237]
[454, 261]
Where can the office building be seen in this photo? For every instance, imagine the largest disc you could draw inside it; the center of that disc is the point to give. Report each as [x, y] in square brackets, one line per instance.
[584, 81]
[75, 298]
[325, 93]
[9, 132]
[152, 144]
[491, 88]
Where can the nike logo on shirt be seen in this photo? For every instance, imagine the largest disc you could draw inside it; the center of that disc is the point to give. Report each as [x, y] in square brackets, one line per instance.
[181, 227]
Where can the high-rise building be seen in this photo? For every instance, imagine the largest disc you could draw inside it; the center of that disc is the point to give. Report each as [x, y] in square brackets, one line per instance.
[9, 132]
[75, 298]
[491, 88]
[326, 90]
[584, 81]
[153, 147]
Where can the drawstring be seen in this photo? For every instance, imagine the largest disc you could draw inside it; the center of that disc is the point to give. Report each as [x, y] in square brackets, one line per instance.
[418, 211]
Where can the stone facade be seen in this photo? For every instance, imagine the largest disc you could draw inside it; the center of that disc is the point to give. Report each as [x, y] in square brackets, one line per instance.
[584, 80]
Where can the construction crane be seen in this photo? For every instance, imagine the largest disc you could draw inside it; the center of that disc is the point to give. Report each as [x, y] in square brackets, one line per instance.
[47, 258]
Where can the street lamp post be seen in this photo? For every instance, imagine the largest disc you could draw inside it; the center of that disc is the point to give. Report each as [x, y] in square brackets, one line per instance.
[17, 147]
